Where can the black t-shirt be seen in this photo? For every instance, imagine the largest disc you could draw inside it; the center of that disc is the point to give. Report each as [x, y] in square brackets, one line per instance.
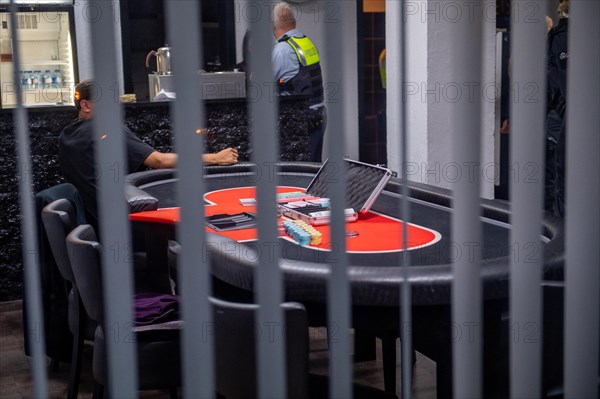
[76, 158]
[557, 56]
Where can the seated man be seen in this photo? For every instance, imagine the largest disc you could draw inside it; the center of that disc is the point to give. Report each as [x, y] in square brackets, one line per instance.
[76, 152]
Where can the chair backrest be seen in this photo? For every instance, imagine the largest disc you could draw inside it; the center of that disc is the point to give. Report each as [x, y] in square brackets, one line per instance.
[236, 336]
[235, 328]
[59, 219]
[85, 255]
[54, 287]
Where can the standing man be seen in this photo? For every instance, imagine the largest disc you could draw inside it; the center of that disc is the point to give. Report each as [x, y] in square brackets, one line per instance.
[557, 60]
[297, 70]
[76, 152]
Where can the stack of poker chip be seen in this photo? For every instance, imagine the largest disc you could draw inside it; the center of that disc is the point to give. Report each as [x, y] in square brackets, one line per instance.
[302, 232]
[315, 235]
[296, 232]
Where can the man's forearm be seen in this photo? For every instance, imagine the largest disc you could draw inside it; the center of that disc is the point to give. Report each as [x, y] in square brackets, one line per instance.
[209, 159]
[161, 160]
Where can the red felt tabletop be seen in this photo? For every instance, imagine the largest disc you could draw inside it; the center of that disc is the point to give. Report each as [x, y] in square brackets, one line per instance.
[376, 232]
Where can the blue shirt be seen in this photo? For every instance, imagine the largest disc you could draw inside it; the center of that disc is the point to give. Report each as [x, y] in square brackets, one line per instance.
[284, 58]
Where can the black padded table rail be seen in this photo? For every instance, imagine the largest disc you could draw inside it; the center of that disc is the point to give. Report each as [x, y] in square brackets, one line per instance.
[375, 278]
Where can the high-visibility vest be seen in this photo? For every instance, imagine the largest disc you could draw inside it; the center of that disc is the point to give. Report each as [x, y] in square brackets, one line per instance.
[309, 80]
[382, 73]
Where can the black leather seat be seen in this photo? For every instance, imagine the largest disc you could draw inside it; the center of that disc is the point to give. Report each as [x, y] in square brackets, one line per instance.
[157, 350]
[59, 219]
[236, 337]
[55, 289]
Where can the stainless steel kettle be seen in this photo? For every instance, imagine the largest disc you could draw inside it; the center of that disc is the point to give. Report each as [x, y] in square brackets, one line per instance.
[163, 60]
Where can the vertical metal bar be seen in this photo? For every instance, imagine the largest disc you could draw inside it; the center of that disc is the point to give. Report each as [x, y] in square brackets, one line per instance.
[498, 107]
[263, 111]
[31, 255]
[527, 114]
[338, 293]
[111, 162]
[406, 299]
[396, 75]
[582, 296]
[195, 277]
[466, 61]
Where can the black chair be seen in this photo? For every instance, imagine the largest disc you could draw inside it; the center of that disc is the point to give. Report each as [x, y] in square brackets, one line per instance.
[54, 288]
[59, 219]
[158, 355]
[236, 337]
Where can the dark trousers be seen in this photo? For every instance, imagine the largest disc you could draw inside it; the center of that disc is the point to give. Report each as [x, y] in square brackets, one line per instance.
[561, 164]
[550, 176]
[317, 122]
[553, 126]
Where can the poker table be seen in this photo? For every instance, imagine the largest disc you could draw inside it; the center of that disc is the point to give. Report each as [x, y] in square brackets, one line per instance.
[374, 255]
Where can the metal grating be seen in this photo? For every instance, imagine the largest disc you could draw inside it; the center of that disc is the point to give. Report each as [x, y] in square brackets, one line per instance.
[583, 230]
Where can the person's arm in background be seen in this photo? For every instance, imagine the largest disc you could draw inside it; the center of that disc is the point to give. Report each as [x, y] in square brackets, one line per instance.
[162, 160]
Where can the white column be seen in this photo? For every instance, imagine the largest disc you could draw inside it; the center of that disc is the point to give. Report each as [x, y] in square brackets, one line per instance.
[431, 91]
[83, 13]
[86, 13]
[118, 46]
[416, 76]
[312, 18]
[240, 15]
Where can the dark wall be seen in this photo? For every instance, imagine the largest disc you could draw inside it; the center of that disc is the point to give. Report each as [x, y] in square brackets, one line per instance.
[372, 135]
[144, 28]
[227, 125]
[43, 133]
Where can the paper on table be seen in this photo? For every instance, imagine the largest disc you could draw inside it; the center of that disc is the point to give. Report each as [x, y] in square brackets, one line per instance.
[163, 95]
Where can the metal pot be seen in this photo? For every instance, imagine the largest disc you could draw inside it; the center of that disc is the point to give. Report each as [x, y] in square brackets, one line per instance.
[163, 60]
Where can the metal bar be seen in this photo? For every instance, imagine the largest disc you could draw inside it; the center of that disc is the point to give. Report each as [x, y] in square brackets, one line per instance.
[31, 252]
[527, 114]
[498, 106]
[338, 293]
[195, 276]
[269, 293]
[466, 60]
[396, 76]
[111, 162]
[582, 296]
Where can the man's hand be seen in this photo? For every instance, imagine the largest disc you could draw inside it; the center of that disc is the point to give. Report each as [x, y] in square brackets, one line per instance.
[505, 129]
[228, 156]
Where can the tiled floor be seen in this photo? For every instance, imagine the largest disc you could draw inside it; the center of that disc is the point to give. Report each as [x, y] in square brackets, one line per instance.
[15, 378]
